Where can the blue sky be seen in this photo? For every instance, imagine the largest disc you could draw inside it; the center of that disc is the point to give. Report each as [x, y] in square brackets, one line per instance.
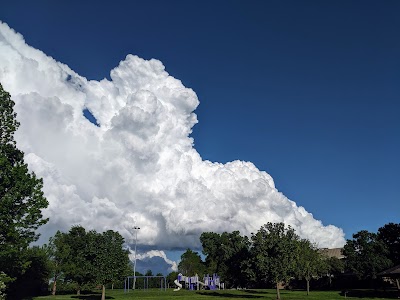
[306, 90]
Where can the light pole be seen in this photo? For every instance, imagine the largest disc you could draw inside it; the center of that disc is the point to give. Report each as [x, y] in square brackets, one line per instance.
[136, 228]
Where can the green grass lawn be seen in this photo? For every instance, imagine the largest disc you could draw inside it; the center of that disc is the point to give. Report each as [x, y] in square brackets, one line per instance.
[226, 294]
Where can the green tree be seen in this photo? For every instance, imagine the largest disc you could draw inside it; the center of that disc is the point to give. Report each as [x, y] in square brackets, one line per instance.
[309, 262]
[334, 268]
[34, 281]
[57, 251]
[153, 282]
[227, 254]
[191, 264]
[389, 234]
[72, 254]
[108, 258]
[211, 243]
[235, 253]
[171, 278]
[274, 251]
[3, 278]
[21, 196]
[366, 255]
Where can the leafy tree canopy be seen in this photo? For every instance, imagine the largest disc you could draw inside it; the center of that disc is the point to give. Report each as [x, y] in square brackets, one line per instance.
[227, 255]
[366, 255]
[309, 262]
[108, 259]
[85, 257]
[171, 277]
[35, 279]
[69, 256]
[389, 234]
[191, 264]
[21, 196]
[275, 253]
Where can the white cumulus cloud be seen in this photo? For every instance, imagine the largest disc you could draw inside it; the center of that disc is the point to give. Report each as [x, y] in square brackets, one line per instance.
[139, 166]
[173, 266]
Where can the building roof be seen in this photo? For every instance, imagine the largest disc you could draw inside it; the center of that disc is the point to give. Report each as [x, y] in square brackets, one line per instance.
[334, 252]
[392, 272]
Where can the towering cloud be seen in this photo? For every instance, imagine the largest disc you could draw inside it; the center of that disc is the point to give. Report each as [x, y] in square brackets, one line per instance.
[138, 164]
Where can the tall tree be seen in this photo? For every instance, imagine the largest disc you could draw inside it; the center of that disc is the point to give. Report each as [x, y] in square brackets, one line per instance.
[227, 254]
[389, 234]
[235, 252]
[108, 258]
[211, 243]
[274, 250]
[57, 251]
[334, 268]
[73, 249]
[309, 262]
[35, 279]
[21, 196]
[366, 255]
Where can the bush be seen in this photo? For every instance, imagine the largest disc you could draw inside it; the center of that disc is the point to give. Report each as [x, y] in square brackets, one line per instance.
[2, 286]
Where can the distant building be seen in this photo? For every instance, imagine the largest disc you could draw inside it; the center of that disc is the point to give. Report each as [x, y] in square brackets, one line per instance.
[334, 252]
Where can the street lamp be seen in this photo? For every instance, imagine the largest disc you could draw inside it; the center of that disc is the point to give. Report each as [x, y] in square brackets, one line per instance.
[136, 228]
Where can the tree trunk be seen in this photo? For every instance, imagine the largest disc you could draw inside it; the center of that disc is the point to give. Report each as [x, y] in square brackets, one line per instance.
[78, 291]
[53, 292]
[112, 285]
[308, 286]
[103, 293]
[278, 295]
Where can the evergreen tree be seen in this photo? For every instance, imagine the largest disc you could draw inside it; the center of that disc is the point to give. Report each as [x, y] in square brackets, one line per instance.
[21, 196]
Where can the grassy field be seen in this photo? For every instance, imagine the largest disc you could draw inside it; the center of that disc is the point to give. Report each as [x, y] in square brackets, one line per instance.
[227, 294]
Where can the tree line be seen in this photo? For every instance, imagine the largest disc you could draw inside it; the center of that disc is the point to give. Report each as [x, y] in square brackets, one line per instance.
[272, 256]
[276, 255]
[83, 258]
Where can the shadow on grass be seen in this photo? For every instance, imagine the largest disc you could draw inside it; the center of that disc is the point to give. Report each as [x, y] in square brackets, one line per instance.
[256, 292]
[90, 297]
[390, 294]
[228, 295]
